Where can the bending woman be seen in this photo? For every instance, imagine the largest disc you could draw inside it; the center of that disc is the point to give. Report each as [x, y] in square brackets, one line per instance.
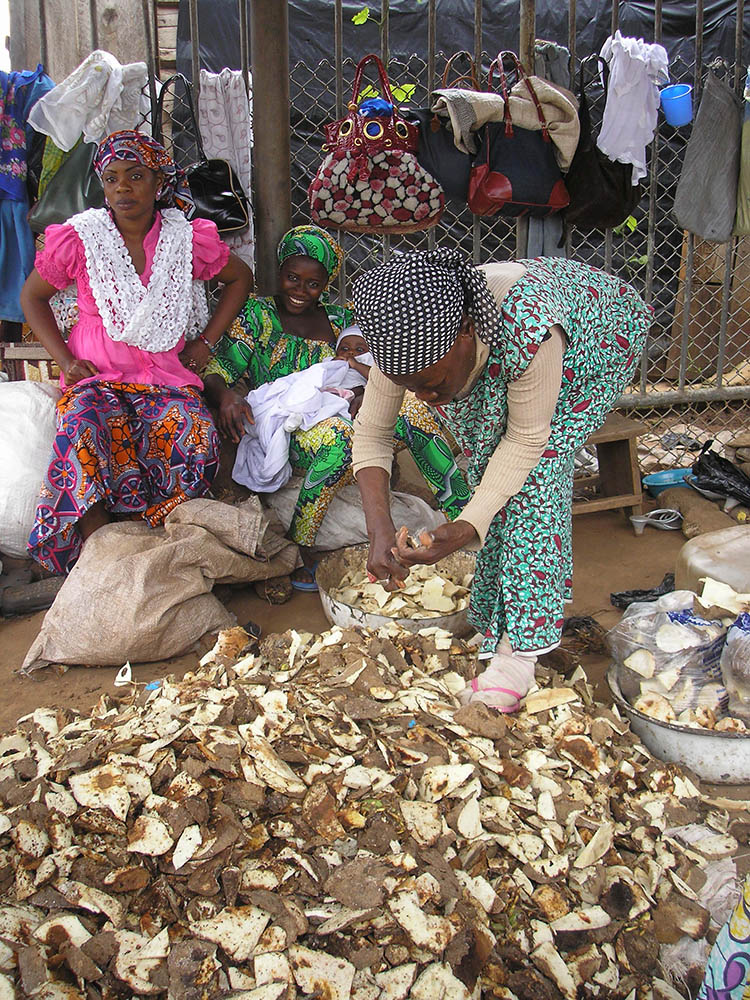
[523, 361]
[287, 333]
[134, 437]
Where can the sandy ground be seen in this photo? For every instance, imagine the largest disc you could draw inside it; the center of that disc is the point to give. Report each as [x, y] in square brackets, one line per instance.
[608, 557]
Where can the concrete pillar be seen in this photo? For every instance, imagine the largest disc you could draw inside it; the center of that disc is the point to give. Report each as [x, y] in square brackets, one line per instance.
[269, 34]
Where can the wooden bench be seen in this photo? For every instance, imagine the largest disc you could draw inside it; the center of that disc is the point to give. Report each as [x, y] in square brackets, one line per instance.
[14, 355]
[619, 477]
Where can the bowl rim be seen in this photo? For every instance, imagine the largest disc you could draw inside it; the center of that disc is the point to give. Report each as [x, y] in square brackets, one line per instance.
[614, 687]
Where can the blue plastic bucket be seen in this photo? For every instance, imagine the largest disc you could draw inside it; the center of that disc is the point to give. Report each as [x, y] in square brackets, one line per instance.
[677, 104]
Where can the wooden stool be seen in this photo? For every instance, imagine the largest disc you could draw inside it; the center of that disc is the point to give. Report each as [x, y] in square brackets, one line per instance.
[619, 477]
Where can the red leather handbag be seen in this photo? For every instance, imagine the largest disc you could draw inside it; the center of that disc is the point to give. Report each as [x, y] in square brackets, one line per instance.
[515, 171]
[371, 181]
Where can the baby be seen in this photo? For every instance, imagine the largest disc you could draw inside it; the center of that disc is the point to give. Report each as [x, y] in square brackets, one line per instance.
[331, 388]
[351, 346]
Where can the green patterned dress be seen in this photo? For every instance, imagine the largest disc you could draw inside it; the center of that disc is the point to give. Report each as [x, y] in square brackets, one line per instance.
[525, 567]
[257, 348]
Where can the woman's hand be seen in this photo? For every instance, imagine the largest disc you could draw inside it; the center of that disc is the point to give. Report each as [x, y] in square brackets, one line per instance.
[233, 412]
[381, 563]
[78, 369]
[435, 544]
[358, 366]
[195, 355]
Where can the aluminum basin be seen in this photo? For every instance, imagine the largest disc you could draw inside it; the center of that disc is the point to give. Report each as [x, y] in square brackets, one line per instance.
[332, 568]
[721, 758]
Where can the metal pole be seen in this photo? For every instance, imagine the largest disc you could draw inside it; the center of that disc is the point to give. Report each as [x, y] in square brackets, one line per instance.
[431, 81]
[338, 37]
[94, 19]
[150, 57]
[615, 22]
[43, 51]
[244, 49]
[687, 301]
[476, 228]
[698, 68]
[195, 58]
[652, 191]
[526, 41]
[385, 56]
[269, 42]
[527, 34]
[572, 41]
[738, 39]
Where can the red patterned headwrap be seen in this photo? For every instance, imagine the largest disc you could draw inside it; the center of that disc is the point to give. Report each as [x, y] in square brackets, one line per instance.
[140, 148]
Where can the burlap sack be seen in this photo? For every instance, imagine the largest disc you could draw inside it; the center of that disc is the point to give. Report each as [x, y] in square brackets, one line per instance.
[144, 594]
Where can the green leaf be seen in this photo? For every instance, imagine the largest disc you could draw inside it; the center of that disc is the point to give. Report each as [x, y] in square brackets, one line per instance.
[404, 93]
[368, 91]
[362, 16]
[626, 227]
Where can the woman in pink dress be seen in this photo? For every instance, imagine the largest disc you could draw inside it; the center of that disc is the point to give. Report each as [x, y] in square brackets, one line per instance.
[134, 436]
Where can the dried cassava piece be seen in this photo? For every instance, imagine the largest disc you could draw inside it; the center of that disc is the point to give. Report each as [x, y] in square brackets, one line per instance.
[424, 594]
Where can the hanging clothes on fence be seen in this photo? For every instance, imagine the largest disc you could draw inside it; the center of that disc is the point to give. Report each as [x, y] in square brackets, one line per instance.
[551, 62]
[19, 92]
[99, 97]
[225, 119]
[636, 70]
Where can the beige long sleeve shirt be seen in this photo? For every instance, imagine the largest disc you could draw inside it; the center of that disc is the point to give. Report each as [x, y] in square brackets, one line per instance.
[531, 404]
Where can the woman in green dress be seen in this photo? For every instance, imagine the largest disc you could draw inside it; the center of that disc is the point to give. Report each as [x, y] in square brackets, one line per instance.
[523, 361]
[288, 332]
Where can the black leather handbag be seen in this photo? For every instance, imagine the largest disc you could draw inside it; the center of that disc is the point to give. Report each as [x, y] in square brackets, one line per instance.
[437, 151]
[214, 186]
[515, 171]
[74, 188]
[600, 189]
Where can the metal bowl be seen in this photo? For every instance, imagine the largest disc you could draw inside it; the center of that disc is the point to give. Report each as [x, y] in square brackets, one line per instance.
[722, 758]
[332, 568]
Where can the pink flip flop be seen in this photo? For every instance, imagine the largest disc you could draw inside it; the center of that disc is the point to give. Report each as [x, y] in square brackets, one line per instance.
[506, 709]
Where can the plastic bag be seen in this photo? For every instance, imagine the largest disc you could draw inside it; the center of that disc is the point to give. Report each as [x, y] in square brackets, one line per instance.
[735, 667]
[624, 598]
[713, 472]
[670, 656]
[28, 418]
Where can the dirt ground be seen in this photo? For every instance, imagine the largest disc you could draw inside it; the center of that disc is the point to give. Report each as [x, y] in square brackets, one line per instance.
[608, 557]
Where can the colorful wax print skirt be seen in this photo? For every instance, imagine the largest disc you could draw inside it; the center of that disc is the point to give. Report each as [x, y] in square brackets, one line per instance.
[139, 449]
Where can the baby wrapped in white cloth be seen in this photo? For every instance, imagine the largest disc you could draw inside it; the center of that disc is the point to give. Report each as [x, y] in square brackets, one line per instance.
[297, 402]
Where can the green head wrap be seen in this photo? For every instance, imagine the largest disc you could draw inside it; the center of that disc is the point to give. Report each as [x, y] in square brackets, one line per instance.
[311, 241]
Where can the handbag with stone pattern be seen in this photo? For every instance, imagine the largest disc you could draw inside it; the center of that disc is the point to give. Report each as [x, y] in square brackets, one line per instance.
[371, 180]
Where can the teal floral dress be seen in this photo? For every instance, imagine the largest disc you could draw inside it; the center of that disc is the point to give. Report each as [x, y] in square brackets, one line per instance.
[524, 570]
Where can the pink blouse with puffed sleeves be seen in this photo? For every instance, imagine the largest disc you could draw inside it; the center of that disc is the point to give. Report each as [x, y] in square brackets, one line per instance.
[63, 262]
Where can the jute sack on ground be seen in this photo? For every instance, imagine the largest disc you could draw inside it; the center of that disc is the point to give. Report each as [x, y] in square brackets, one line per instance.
[344, 522]
[143, 594]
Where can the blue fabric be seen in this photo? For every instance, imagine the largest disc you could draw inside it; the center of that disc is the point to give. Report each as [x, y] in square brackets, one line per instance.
[19, 92]
[16, 257]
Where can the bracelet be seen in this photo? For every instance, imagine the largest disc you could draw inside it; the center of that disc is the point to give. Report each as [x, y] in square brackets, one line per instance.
[207, 342]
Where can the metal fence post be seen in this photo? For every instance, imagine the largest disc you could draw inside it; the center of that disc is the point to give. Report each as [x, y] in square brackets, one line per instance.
[269, 41]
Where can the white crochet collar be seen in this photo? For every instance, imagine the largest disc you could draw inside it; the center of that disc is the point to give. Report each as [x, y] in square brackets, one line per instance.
[152, 317]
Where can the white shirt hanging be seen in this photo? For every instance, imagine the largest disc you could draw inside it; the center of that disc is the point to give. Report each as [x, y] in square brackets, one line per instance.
[636, 69]
[99, 97]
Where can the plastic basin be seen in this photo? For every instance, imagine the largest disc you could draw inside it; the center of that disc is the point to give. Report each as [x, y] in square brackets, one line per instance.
[656, 482]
